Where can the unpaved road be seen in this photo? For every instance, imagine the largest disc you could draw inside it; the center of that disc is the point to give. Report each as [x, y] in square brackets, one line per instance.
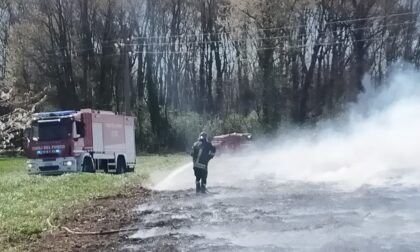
[259, 213]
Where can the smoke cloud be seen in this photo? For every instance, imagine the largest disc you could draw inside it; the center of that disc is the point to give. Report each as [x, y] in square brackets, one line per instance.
[349, 184]
[376, 142]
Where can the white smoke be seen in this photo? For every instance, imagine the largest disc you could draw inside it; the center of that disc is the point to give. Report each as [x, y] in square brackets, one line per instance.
[376, 142]
[284, 191]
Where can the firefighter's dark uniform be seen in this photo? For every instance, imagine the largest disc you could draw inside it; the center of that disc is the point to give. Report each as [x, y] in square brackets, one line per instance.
[202, 152]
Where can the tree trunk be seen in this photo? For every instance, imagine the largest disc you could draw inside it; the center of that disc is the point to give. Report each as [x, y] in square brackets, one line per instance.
[104, 88]
[87, 54]
[219, 77]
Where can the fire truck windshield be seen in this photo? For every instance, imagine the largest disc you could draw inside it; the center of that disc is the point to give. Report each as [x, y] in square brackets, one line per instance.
[52, 130]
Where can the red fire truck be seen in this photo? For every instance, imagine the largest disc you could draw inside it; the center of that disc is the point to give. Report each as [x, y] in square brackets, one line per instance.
[80, 141]
[231, 142]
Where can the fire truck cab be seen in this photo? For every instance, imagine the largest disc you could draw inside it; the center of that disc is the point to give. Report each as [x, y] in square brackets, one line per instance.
[80, 141]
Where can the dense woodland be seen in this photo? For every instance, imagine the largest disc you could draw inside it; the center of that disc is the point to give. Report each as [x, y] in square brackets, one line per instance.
[180, 66]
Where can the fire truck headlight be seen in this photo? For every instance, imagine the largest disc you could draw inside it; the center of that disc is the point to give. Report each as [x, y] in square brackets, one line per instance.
[68, 163]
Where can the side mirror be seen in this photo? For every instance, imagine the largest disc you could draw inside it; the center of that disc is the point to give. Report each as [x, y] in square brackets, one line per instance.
[76, 135]
[26, 137]
[80, 129]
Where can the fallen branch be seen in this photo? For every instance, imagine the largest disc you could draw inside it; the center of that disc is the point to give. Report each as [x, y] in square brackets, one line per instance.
[102, 232]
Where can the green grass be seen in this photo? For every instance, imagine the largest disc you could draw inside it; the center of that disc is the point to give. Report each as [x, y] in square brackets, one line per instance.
[27, 201]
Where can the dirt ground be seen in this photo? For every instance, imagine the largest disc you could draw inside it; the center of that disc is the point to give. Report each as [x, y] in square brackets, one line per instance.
[104, 214]
[259, 216]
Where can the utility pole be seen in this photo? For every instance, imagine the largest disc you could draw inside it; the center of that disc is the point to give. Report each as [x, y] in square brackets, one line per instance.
[126, 81]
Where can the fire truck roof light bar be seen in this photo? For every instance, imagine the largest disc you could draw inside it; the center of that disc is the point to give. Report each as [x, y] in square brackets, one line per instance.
[58, 114]
[47, 121]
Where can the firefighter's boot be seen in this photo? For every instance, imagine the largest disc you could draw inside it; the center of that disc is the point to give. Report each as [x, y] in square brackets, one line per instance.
[203, 188]
[197, 187]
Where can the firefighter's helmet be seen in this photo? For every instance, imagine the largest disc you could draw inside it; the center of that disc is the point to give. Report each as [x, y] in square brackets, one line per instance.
[203, 136]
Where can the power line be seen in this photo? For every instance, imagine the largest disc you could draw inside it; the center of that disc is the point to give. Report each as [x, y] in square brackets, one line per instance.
[309, 45]
[287, 47]
[268, 38]
[344, 21]
[200, 43]
[295, 46]
[202, 35]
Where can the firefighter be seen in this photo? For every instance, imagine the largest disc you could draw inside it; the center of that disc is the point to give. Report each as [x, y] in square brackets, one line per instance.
[202, 152]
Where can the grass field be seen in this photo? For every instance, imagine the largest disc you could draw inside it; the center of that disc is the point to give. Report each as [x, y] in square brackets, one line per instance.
[27, 201]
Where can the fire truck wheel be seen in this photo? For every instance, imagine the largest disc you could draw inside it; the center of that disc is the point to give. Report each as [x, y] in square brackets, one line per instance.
[121, 165]
[88, 165]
